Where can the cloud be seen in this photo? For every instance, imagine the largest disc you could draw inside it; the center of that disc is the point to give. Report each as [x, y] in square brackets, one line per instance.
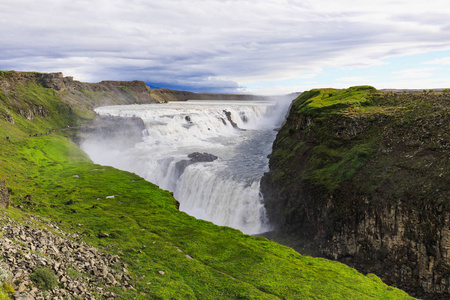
[415, 73]
[355, 79]
[213, 44]
[439, 61]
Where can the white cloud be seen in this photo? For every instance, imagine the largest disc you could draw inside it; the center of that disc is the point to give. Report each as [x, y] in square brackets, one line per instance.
[424, 83]
[214, 43]
[355, 79]
[415, 73]
[440, 61]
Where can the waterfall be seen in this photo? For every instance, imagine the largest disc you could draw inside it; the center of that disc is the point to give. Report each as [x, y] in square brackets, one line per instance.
[210, 154]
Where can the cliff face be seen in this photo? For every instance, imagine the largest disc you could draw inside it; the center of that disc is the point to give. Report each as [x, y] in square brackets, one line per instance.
[363, 177]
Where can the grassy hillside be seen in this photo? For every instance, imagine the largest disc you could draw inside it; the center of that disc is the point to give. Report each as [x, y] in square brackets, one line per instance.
[169, 254]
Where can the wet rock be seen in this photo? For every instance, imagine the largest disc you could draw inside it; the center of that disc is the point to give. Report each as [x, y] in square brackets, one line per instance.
[202, 157]
[195, 157]
[228, 115]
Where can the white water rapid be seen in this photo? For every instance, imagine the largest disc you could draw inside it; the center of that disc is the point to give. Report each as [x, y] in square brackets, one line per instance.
[224, 191]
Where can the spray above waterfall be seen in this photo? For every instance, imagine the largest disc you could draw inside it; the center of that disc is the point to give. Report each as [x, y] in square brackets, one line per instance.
[210, 154]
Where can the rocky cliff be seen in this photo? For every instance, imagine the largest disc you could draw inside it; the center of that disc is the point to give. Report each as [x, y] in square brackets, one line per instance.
[362, 176]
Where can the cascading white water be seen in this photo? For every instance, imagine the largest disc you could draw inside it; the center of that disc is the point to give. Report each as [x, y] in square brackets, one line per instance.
[224, 191]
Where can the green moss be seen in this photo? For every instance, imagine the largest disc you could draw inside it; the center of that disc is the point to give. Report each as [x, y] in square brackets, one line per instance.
[72, 273]
[332, 159]
[330, 167]
[7, 288]
[130, 93]
[4, 295]
[330, 101]
[6, 74]
[44, 278]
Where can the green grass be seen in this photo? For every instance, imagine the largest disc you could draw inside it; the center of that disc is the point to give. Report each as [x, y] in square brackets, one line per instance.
[44, 278]
[328, 101]
[333, 160]
[4, 295]
[149, 233]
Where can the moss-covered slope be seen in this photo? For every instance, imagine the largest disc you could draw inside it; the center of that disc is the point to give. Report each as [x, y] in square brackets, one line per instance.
[169, 254]
[362, 176]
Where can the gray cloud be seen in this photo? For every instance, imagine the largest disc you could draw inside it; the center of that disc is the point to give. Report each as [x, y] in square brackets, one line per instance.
[210, 44]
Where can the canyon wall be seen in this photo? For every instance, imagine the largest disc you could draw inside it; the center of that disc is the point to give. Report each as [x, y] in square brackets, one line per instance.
[362, 176]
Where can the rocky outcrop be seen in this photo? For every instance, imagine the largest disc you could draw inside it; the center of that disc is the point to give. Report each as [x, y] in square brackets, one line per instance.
[368, 187]
[7, 117]
[230, 119]
[33, 111]
[8, 79]
[4, 195]
[202, 157]
[54, 81]
[82, 271]
[194, 157]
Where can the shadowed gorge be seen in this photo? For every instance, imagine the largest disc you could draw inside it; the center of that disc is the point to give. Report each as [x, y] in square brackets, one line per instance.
[131, 231]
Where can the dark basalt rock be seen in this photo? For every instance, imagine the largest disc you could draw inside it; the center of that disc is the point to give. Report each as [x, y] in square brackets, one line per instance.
[230, 119]
[202, 157]
[195, 157]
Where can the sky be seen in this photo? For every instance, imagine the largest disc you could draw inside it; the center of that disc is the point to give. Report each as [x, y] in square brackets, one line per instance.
[264, 47]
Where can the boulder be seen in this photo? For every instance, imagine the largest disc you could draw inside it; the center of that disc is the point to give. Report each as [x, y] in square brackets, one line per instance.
[195, 157]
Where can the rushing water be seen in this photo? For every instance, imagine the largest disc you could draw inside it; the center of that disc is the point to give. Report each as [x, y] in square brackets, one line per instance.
[224, 191]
